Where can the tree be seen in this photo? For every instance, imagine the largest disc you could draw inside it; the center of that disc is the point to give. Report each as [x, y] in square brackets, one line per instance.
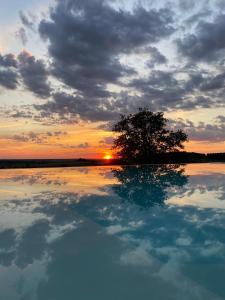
[143, 135]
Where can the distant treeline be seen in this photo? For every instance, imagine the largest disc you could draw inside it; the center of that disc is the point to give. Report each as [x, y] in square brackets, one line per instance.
[216, 156]
[180, 157]
[166, 158]
[188, 157]
[46, 163]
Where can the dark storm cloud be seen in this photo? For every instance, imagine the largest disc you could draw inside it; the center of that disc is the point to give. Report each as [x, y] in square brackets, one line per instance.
[86, 38]
[34, 74]
[207, 43]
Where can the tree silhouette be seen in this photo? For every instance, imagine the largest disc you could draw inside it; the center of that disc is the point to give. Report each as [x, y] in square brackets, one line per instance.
[147, 186]
[144, 134]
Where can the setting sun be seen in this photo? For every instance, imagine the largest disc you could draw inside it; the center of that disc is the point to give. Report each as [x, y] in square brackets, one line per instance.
[107, 156]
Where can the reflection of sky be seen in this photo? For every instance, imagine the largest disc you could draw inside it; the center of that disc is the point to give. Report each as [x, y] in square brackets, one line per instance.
[26, 182]
[87, 233]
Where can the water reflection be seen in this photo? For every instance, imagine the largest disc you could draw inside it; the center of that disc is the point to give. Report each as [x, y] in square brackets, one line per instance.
[147, 186]
[125, 239]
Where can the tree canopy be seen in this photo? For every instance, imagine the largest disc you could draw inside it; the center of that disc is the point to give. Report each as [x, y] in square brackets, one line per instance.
[144, 134]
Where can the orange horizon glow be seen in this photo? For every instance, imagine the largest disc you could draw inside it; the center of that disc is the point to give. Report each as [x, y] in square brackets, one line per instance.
[107, 157]
[63, 147]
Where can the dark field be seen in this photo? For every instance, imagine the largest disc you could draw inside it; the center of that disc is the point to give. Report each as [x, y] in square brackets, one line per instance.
[168, 158]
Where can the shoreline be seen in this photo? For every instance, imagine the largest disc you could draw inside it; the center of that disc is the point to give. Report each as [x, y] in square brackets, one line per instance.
[66, 163]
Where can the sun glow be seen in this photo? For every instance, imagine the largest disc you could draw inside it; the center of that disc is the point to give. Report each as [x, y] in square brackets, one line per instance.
[107, 157]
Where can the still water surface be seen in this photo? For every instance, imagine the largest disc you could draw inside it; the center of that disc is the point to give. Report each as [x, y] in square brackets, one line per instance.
[113, 233]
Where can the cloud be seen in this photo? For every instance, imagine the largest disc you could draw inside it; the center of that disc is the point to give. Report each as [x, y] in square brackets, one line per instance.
[213, 82]
[8, 60]
[8, 74]
[25, 68]
[71, 108]
[27, 21]
[107, 140]
[79, 146]
[203, 132]
[38, 138]
[90, 45]
[157, 58]
[34, 74]
[207, 43]
[160, 90]
[196, 17]
[94, 34]
[180, 89]
[22, 36]
[14, 112]
[83, 146]
[221, 119]
[185, 5]
[8, 79]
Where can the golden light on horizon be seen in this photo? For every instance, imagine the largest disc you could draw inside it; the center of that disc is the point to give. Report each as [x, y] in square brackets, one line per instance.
[107, 157]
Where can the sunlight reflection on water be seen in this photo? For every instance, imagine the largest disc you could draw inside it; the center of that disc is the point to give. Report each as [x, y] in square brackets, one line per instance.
[140, 232]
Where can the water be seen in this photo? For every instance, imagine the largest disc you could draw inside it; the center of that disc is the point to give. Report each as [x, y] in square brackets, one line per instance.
[113, 233]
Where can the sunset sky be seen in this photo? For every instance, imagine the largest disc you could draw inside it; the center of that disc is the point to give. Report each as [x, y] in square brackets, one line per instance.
[69, 68]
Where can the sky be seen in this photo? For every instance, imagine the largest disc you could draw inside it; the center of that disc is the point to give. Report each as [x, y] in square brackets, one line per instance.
[70, 68]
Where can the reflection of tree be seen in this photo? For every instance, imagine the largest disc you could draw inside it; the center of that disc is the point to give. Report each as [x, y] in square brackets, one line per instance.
[75, 241]
[147, 186]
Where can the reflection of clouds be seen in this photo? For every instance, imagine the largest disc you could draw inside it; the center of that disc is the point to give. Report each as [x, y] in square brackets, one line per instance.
[215, 183]
[32, 244]
[138, 256]
[7, 239]
[105, 240]
[178, 245]
[39, 178]
[201, 190]
[83, 170]
[174, 229]
[28, 246]
[27, 182]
